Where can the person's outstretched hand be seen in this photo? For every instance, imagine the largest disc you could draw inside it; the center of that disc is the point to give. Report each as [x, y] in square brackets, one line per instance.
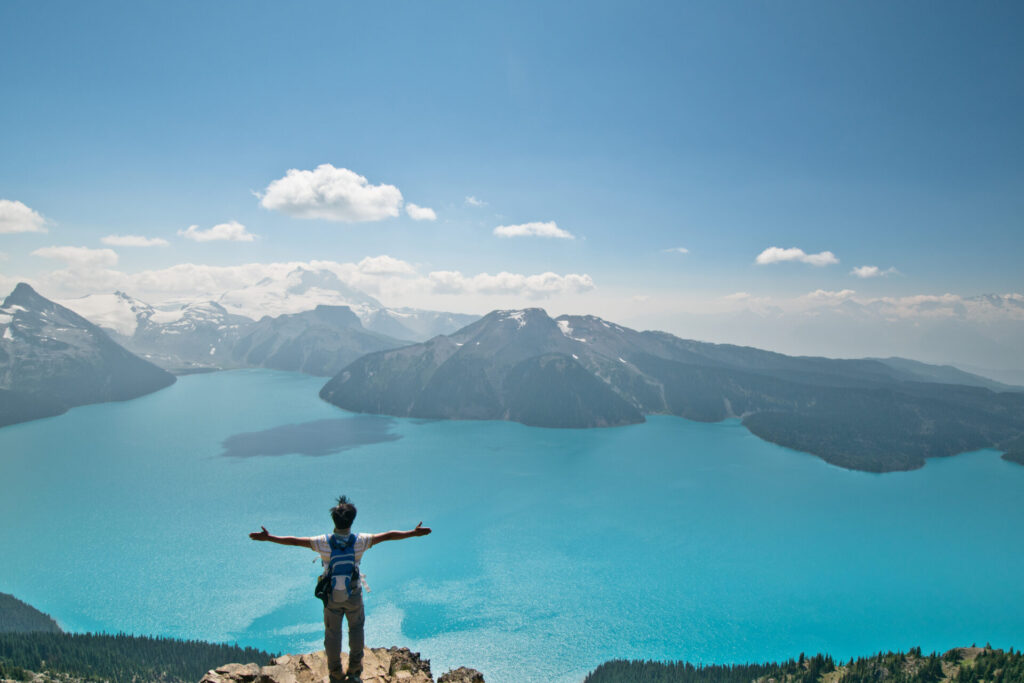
[420, 530]
[265, 535]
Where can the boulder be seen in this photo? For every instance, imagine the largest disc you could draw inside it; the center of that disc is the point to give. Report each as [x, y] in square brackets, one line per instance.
[380, 665]
[462, 675]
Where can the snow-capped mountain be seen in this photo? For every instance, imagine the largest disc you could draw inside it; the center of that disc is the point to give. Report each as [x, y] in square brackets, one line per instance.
[198, 335]
[203, 335]
[304, 289]
[52, 359]
[188, 337]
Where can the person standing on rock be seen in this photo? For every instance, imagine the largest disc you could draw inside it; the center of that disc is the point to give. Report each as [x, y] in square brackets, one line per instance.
[342, 514]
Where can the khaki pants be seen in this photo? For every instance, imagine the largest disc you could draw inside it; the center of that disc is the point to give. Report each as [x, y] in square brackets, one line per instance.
[352, 609]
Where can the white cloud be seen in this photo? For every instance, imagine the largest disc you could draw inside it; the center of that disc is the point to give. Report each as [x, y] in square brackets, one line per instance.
[779, 255]
[831, 296]
[385, 265]
[548, 229]
[420, 213]
[473, 201]
[79, 257]
[232, 231]
[677, 250]
[133, 241]
[3, 256]
[504, 283]
[746, 301]
[16, 217]
[333, 194]
[872, 271]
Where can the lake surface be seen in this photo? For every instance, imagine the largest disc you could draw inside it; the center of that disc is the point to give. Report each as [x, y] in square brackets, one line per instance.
[552, 550]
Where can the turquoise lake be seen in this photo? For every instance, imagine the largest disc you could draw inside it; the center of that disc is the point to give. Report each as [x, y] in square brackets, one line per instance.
[552, 550]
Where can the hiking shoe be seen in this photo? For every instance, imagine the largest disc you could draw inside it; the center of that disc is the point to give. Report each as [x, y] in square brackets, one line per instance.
[353, 678]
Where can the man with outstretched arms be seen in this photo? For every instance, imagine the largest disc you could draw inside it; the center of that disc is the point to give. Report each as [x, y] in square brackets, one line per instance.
[341, 552]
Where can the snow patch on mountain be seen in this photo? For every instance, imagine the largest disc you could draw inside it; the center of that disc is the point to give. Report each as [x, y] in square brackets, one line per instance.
[566, 329]
[117, 312]
[518, 316]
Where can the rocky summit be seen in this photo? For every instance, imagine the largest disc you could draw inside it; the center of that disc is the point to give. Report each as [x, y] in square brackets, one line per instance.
[380, 665]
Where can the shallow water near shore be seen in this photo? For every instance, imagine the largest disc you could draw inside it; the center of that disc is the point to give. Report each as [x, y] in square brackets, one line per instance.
[552, 551]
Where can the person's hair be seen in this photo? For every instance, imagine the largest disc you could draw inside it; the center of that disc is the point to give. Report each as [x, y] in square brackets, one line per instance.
[344, 513]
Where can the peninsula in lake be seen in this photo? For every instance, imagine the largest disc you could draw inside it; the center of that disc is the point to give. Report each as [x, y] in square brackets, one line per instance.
[876, 415]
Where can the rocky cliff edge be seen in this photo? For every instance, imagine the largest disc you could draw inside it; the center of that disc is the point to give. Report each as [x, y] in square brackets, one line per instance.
[393, 665]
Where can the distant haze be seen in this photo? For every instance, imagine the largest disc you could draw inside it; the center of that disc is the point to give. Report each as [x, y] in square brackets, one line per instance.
[982, 334]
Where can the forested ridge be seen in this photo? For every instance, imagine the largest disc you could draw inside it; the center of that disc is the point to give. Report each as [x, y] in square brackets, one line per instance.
[117, 658]
[16, 615]
[960, 665]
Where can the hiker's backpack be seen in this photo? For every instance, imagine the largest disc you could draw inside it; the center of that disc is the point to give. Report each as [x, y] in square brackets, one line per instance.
[341, 576]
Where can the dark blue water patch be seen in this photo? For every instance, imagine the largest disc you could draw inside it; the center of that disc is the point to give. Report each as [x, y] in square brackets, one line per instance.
[320, 437]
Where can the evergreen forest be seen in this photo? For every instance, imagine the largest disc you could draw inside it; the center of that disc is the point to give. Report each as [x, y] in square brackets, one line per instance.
[117, 658]
[960, 665]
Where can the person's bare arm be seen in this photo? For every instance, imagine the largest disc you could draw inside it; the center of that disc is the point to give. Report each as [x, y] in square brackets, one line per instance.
[420, 530]
[298, 541]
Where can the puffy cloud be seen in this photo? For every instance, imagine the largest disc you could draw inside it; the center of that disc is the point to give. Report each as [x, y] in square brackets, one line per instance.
[676, 250]
[548, 229]
[779, 255]
[473, 201]
[420, 213]
[133, 241]
[16, 217]
[872, 271]
[79, 257]
[532, 286]
[232, 231]
[385, 265]
[737, 296]
[87, 269]
[333, 194]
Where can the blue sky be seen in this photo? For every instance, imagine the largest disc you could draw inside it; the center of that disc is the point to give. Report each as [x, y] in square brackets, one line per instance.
[888, 135]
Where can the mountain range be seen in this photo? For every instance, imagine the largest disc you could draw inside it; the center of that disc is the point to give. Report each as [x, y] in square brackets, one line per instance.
[521, 365]
[309, 321]
[581, 371]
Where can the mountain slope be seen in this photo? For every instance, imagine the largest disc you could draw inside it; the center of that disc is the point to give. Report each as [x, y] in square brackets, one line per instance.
[52, 359]
[415, 324]
[19, 617]
[317, 342]
[581, 371]
[497, 368]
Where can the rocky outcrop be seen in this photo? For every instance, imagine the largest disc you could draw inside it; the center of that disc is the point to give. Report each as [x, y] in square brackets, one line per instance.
[462, 675]
[380, 665]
